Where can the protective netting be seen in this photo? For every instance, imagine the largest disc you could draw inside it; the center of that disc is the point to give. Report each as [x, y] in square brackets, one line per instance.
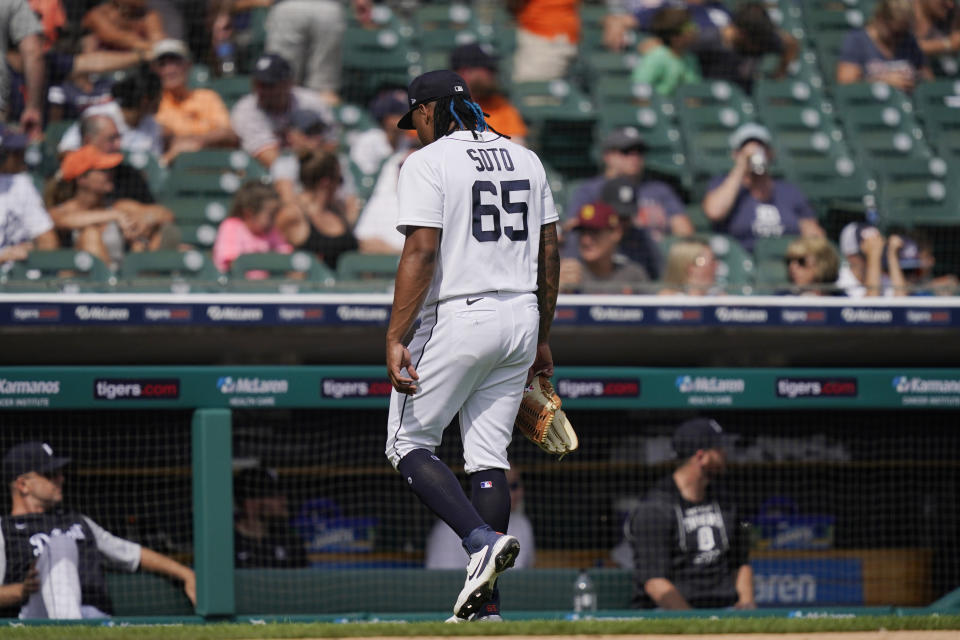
[852, 507]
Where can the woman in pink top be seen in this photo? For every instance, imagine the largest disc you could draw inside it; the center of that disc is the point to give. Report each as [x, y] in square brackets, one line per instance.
[250, 227]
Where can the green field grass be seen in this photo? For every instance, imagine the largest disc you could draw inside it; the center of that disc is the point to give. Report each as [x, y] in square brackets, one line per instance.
[634, 626]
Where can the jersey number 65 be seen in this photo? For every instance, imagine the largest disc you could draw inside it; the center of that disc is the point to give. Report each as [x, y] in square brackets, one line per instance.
[486, 217]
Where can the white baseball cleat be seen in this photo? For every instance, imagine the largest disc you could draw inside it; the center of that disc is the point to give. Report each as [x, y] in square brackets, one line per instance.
[496, 556]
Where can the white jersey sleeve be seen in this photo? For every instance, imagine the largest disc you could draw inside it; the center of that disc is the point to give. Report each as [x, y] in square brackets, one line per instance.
[421, 197]
[119, 553]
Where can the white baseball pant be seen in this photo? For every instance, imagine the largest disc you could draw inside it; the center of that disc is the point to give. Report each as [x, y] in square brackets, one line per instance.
[472, 354]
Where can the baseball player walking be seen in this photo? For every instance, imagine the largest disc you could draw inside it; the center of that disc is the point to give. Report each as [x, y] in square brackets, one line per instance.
[480, 268]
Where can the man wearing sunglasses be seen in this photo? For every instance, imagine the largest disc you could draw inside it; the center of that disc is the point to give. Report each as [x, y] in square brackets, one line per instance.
[52, 559]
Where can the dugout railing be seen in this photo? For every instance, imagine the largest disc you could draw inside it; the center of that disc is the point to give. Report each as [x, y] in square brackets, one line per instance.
[872, 452]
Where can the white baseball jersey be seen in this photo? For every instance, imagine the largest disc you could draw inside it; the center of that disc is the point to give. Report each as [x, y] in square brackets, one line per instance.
[489, 197]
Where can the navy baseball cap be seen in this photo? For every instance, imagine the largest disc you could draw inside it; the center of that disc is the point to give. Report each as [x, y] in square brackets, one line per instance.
[470, 56]
[308, 121]
[431, 86]
[271, 68]
[387, 104]
[696, 434]
[30, 456]
[621, 194]
[256, 482]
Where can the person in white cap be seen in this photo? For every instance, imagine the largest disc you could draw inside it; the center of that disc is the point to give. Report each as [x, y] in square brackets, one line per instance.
[748, 202]
[194, 118]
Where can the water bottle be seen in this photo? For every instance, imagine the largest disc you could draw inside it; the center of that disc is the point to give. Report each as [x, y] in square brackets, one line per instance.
[584, 594]
[226, 59]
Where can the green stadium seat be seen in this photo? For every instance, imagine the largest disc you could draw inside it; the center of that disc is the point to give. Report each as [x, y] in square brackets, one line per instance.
[938, 93]
[286, 272]
[365, 71]
[768, 255]
[198, 210]
[49, 157]
[708, 114]
[231, 88]
[169, 271]
[561, 122]
[200, 235]
[59, 270]
[611, 65]
[147, 164]
[217, 160]
[791, 92]
[354, 265]
[200, 76]
[921, 201]
[353, 118]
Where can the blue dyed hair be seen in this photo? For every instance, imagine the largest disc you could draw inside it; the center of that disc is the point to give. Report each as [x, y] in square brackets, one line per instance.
[454, 113]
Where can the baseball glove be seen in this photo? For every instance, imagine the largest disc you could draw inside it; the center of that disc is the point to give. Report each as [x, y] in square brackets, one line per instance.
[542, 421]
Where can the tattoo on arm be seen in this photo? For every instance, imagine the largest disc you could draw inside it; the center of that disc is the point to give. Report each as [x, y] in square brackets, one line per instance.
[548, 279]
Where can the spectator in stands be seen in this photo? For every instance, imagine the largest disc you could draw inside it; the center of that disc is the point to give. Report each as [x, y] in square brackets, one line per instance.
[655, 208]
[885, 50]
[479, 70]
[136, 99]
[937, 27]
[122, 25]
[251, 227]
[918, 272]
[626, 15]
[691, 270]
[812, 267]
[600, 268]
[444, 550]
[670, 64]
[659, 206]
[376, 228]
[262, 118]
[85, 206]
[370, 148]
[75, 81]
[54, 557]
[316, 221]
[129, 183]
[748, 203]
[308, 131]
[262, 533]
[863, 275]
[25, 224]
[640, 238]
[19, 27]
[193, 118]
[52, 18]
[734, 52]
[309, 34]
[548, 32]
[690, 546]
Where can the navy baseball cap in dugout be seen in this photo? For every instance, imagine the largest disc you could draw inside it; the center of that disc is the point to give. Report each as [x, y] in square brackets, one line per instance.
[30, 456]
[431, 86]
[696, 434]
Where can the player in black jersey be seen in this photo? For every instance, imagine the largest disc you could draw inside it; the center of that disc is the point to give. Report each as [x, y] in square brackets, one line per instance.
[52, 559]
[689, 547]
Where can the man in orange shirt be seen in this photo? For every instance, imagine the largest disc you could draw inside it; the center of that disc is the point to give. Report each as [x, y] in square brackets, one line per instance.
[193, 118]
[547, 35]
[479, 69]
